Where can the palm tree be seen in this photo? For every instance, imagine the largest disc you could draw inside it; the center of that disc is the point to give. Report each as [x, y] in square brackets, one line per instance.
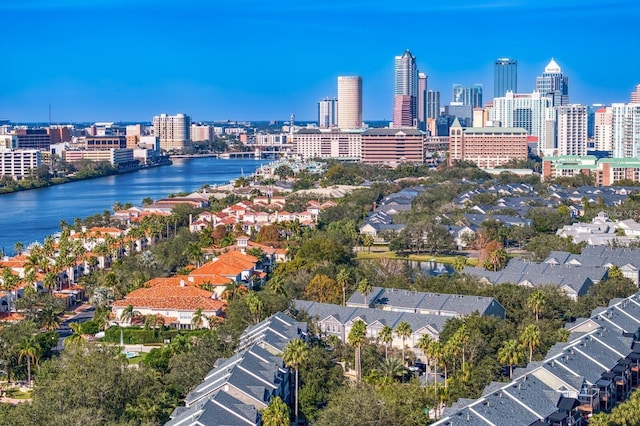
[510, 354]
[367, 241]
[28, 349]
[295, 354]
[459, 262]
[277, 285]
[391, 369]
[9, 283]
[460, 340]
[128, 314]
[403, 330]
[76, 338]
[255, 305]
[276, 413]
[343, 280]
[198, 318]
[365, 288]
[194, 253]
[48, 319]
[423, 344]
[530, 338]
[18, 247]
[386, 336]
[536, 302]
[357, 337]
[434, 353]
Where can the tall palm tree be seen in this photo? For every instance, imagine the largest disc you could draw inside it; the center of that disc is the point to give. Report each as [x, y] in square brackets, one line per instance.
[403, 330]
[295, 354]
[28, 349]
[435, 355]
[386, 337]
[530, 338]
[194, 253]
[18, 247]
[461, 340]
[255, 305]
[76, 338]
[276, 413]
[10, 282]
[536, 302]
[510, 354]
[343, 280]
[365, 287]
[198, 318]
[48, 319]
[392, 368]
[128, 314]
[423, 344]
[357, 337]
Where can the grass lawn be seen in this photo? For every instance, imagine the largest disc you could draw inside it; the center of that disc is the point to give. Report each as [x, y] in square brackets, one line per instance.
[18, 394]
[384, 253]
[136, 360]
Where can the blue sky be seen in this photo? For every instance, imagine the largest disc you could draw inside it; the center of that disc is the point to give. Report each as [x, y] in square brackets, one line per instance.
[117, 60]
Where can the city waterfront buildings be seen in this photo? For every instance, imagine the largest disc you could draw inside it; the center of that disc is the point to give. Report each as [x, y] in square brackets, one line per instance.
[105, 142]
[33, 139]
[349, 102]
[487, 147]
[328, 143]
[18, 163]
[572, 129]
[554, 84]
[505, 77]
[328, 113]
[392, 147]
[173, 131]
[202, 132]
[405, 105]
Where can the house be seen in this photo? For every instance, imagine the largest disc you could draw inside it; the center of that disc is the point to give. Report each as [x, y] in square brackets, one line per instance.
[239, 387]
[596, 369]
[450, 305]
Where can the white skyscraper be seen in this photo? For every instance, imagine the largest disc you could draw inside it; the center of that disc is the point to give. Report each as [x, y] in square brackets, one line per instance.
[173, 131]
[554, 84]
[625, 129]
[572, 129]
[532, 112]
[328, 113]
[603, 129]
[349, 102]
[405, 103]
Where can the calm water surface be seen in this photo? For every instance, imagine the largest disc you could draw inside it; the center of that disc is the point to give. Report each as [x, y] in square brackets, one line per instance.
[29, 216]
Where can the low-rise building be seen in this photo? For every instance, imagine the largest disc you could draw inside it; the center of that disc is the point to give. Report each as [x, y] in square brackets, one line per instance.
[568, 166]
[328, 143]
[392, 147]
[18, 163]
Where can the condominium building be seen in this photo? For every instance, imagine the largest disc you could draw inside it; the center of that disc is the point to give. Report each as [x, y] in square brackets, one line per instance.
[568, 166]
[328, 143]
[328, 113]
[613, 170]
[17, 163]
[603, 130]
[350, 102]
[635, 95]
[392, 147]
[115, 157]
[532, 112]
[554, 84]
[59, 134]
[572, 129]
[487, 147]
[505, 77]
[173, 131]
[625, 129]
[405, 105]
[201, 133]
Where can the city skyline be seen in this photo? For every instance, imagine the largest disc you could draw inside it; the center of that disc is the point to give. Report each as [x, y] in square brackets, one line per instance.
[128, 61]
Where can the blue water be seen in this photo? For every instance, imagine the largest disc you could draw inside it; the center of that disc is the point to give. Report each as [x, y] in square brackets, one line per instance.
[29, 216]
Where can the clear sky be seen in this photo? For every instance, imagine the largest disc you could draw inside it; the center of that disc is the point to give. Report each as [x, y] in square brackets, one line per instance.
[127, 60]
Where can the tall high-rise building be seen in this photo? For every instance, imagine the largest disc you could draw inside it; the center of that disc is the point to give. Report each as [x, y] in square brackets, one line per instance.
[433, 104]
[572, 129]
[173, 131]
[554, 84]
[468, 95]
[602, 129]
[328, 113]
[349, 102]
[505, 77]
[422, 101]
[625, 123]
[406, 84]
[635, 95]
[533, 112]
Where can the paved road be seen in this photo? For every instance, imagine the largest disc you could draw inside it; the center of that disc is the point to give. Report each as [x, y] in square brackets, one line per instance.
[84, 313]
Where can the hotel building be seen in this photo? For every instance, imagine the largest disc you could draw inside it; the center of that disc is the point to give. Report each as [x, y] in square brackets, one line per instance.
[173, 131]
[392, 147]
[328, 143]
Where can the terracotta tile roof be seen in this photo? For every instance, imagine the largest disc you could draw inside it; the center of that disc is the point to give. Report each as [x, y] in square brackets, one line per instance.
[217, 268]
[236, 255]
[14, 262]
[178, 298]
[11, 316]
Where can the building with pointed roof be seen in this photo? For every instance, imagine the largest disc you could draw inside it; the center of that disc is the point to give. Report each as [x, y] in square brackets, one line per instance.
[554, 84]
[405, 105]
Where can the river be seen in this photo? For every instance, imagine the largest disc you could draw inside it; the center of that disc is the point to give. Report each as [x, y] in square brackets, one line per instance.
[29, 216]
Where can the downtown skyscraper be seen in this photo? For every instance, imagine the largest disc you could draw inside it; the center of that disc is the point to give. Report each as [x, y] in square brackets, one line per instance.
[349, 102]
[328, 113]
[554, 84]
[405, 103]
[505, 77]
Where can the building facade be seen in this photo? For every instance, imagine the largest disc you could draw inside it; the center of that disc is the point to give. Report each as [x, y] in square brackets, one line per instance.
[17, 163]
[568, 166]
[422, 101]
[433, 104]
[554, 84]
[328, 143]
[603, 130]
[350, 102]
[635, 95]
[115, 157]
[328, 113]
[505, 77]
[33, 139]
[201, 133]
[467, 95]
[625, 130]
[572, 129]
[173, 131]
[487, 147]
[613, 170]
[392, 147]
[105, 142]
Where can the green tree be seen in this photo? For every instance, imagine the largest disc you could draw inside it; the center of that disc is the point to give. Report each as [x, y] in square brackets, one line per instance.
[76, 338]
[615, 272]
[386, 337]
[276, 413]
[343, 279]
[530, 338]
[357, 337]
[365, 287]
[198, 318]
[29, 349]
[403, 330]
[367, 241]
[295, 354]
[536, 303]
[459, 263]
[511, 354]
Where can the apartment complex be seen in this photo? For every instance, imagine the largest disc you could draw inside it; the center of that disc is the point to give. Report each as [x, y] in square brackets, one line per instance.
[17, 163]
[607, 171]
[568, 165]
[487, 147]
[328, 143]
[612, 170]
[393, 146]
[173, 131]
[115, 157]
[202, 132]
[572, 129]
